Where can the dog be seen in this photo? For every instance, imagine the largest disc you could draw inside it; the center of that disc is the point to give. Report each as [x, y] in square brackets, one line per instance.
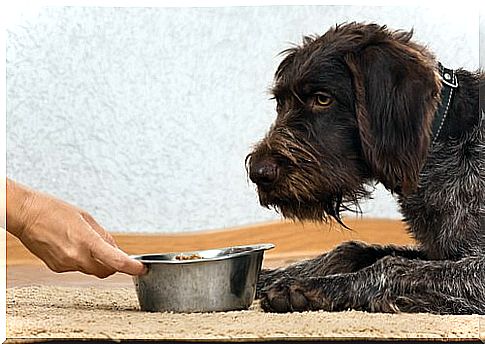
[363, 104]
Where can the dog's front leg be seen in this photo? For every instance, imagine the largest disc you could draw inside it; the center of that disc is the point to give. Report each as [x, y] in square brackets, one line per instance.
[392, 284]
[347, 257]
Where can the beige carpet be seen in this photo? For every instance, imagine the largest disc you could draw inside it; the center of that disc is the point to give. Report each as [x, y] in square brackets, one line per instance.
[47, 312]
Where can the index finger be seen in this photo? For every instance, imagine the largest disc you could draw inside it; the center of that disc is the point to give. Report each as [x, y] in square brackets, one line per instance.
[116, 258]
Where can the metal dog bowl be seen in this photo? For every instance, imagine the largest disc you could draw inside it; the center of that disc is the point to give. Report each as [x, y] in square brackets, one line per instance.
[200, 281]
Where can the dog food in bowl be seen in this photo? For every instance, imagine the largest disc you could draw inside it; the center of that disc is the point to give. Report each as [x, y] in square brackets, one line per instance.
[188, 256]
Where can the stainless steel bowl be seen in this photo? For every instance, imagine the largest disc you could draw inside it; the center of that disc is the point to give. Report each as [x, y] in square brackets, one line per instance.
[216, 280]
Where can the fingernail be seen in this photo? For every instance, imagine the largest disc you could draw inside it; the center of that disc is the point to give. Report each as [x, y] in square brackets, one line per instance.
[145, 269]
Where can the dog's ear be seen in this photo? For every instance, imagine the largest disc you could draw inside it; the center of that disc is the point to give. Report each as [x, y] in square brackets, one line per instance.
[396, 94]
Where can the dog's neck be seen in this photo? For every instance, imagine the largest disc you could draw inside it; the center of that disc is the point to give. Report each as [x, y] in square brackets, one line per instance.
[449, 82]
[459, 110]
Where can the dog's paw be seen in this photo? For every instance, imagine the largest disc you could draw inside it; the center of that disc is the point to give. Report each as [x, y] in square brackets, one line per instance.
[267, 278]
[293, 295]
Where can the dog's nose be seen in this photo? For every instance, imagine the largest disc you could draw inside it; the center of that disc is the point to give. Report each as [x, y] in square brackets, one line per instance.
[264, 172]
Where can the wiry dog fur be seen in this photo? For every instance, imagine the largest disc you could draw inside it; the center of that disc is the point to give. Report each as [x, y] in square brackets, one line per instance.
[355, 106]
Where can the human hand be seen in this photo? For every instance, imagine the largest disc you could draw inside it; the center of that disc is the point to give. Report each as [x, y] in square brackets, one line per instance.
[65, 237]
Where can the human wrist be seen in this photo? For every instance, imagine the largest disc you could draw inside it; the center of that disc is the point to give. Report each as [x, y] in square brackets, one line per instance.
[20, 207]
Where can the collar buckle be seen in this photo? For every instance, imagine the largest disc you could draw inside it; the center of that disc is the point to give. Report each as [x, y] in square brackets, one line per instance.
[448, 76]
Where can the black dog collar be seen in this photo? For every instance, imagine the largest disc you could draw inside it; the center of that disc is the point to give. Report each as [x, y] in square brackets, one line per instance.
[449, 82]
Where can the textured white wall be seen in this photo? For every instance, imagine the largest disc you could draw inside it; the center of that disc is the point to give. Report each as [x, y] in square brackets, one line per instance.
[143, 116]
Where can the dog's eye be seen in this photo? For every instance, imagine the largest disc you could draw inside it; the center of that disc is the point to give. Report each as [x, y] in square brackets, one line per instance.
[323, 99]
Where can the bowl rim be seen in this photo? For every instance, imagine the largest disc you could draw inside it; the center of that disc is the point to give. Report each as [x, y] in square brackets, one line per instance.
[251, 249]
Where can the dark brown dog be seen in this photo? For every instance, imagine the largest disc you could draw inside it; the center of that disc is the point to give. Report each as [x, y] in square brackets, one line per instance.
[355, 106]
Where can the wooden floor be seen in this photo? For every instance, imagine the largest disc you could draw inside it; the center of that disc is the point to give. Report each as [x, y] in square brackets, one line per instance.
[293, 241]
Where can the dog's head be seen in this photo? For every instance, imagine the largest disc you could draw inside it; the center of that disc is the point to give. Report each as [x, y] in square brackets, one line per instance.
[353, 105]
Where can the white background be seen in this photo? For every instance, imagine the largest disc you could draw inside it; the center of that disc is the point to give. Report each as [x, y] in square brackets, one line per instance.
[143, 116]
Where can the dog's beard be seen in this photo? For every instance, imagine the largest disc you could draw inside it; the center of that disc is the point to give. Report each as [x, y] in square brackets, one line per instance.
[319, 207]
